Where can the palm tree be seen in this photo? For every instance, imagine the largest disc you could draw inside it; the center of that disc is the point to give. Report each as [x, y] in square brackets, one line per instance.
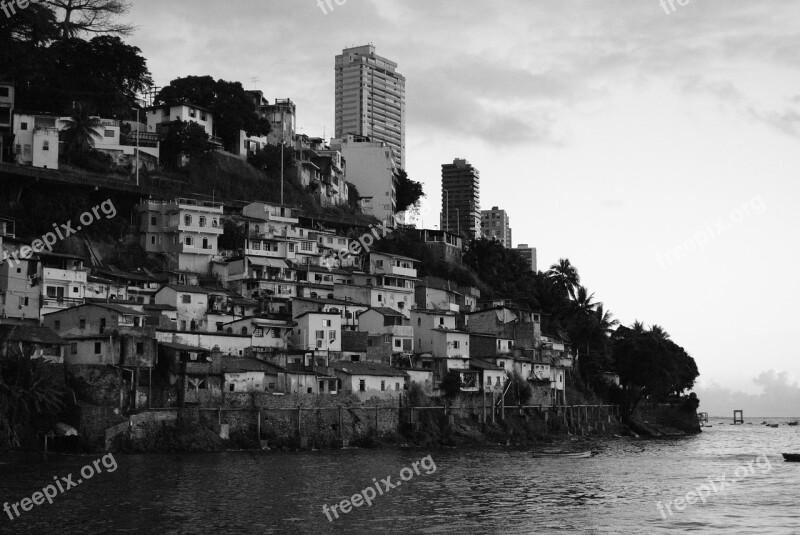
[659, 332]
[605, 319]
[565, 275]
[583, 300]
[638, 327]
[81, 131]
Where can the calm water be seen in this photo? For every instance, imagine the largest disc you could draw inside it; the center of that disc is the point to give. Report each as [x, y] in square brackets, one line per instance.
[471, 491]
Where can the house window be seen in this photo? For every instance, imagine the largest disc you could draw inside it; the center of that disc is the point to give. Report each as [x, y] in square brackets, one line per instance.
[456, 344]
[140, 348]
[153, 221]
[219, 326]
[419, 321]
[205, 244]
[189, 240]
[97, 348]
[192, 112]
[258, 333]
[362, 386]
[57, 325]
[380, 298]
[331, 335]
[186, 299]
[397, 386]
[383, 386]
[187, 220]
[326, 323]
[202, 221]
[108, 133]
[23, 126]
[231, 387]
[441, 321]
[152, 240]
[45, 145]
[244, 331]
[82, 323]
[73, 348]
[379, 263]
[398, 343]
[320, 335]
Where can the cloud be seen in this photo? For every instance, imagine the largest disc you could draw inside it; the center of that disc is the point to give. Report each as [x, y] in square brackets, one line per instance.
[780, 396]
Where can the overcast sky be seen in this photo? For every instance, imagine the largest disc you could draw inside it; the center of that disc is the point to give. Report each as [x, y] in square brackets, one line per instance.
[612, 132]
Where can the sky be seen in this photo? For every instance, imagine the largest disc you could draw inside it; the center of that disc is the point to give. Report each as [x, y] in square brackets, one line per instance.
[655, 148]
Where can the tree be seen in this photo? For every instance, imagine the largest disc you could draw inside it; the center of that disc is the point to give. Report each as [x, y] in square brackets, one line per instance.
[565, 275]
[28, 388]
[583, 300]
[90, 16]
[409, 192]
[187, 139]
[80, 132]
[519, 392]
[233, 109]
[650, 366]
[451, 384]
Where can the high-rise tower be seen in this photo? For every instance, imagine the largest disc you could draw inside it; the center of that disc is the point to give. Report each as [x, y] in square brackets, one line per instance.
[461, 200]
[371, 99]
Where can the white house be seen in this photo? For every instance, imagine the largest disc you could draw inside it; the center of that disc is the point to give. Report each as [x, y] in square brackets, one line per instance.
[191, 303]
[319, 331]
[370, 379]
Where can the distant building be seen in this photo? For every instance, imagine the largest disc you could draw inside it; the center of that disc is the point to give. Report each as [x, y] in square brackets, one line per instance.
[371, 99]
[529, 254]
[496, 225]
[370, 166]
[461, 200]
[161, 115]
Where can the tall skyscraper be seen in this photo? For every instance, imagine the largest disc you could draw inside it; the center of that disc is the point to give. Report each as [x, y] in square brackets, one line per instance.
[496, 225]
[461, 199]
[371, 99]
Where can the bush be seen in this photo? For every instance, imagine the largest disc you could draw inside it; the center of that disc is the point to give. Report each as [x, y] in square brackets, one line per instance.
[93, 160]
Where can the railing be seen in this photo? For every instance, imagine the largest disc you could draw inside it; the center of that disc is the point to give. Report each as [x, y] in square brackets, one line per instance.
[61, 302]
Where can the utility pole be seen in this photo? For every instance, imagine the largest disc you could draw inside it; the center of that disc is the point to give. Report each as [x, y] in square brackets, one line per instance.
[283, 142]
[138, 125]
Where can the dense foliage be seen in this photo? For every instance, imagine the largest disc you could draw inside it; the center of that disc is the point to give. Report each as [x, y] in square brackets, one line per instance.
[409, 192]
[29, 388]
[233, 109]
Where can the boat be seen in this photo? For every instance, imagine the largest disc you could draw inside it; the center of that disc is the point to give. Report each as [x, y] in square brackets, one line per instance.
[772, 425]
[568, 454]
[791, 457]
[793, 423]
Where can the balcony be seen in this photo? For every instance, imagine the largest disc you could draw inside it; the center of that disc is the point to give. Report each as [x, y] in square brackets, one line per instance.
[60, 302]
[404, 331]
[68, 275]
